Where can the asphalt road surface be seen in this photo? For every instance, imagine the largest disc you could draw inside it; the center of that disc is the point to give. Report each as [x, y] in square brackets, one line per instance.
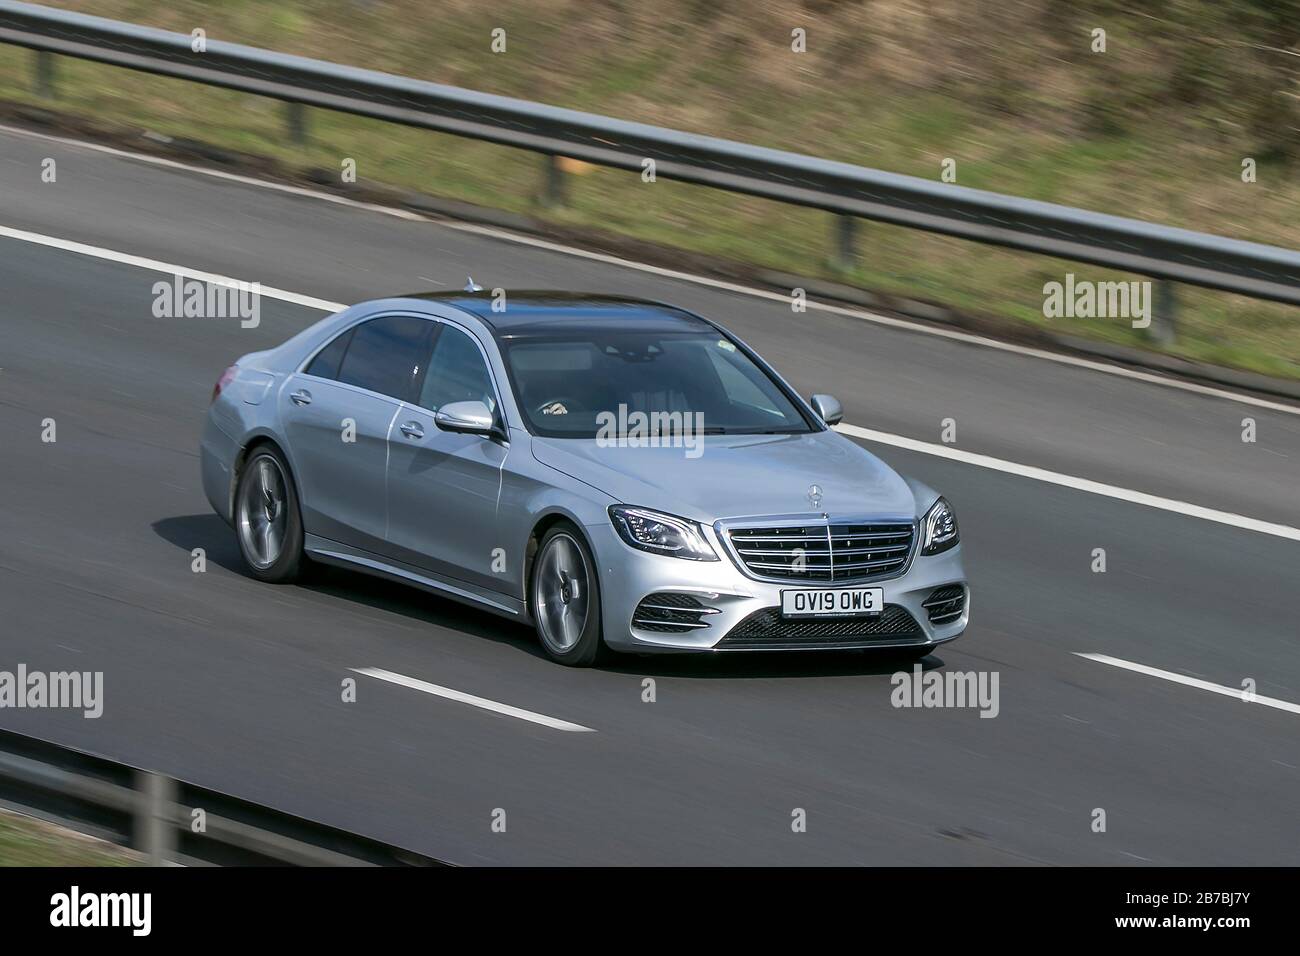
[235, 685]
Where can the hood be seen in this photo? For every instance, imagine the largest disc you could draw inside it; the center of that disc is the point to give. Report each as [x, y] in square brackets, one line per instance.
[736, 476]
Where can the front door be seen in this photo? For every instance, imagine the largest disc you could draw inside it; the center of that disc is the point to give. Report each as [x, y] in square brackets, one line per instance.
[444, 488]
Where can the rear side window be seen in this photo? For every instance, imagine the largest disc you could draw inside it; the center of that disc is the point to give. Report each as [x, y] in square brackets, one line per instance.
[388, 356]
[326, 362]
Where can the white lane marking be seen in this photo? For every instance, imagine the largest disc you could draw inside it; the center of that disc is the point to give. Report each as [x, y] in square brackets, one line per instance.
[1236, 692]
[481, 702]
[155, 265]
[899, 441]
[1078, 484]
[507, 236]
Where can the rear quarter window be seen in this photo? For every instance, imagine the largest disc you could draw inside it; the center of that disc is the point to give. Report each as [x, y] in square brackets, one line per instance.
[327, 360]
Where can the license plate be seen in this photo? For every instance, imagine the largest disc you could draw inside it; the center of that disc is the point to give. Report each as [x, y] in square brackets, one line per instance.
[821, 602]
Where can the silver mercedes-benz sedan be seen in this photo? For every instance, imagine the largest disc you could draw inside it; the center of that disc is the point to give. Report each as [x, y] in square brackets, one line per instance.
[620, 473]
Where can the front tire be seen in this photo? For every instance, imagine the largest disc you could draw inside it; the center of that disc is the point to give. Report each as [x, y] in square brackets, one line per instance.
[268, 524]
[564, 598]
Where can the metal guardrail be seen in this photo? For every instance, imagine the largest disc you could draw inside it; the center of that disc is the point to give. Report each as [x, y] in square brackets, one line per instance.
[170, 820]
[1163, 252]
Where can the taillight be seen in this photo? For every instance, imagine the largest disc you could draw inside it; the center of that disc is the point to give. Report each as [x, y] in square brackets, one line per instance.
[227, 377]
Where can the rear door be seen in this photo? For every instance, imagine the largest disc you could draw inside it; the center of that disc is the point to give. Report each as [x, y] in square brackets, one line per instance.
[338, 413]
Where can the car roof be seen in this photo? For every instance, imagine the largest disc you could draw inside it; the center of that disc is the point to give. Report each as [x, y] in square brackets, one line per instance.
[538, 312]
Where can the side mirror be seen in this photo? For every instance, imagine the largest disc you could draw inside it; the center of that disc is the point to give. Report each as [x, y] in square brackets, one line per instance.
[828, 408]
[471, 418]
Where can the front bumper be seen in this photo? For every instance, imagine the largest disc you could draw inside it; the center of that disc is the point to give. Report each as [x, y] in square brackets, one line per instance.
[629, 576]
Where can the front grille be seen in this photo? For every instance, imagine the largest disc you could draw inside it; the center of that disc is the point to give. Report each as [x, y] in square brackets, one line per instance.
[945, 604]
[671, 613]
[822, 552]
[768, 629]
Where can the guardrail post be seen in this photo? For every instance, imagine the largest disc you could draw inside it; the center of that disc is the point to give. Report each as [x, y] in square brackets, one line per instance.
[552, 181]
[43, 65]
[844, 249]
[1164, 313]
[295, 118]
[155, 832]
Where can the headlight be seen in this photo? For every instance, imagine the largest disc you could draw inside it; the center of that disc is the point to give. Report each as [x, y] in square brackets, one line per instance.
[661, 533]
[938, 528]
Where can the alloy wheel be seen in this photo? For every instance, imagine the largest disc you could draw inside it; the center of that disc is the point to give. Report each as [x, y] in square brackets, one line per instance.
[561, 593]
[262, 513]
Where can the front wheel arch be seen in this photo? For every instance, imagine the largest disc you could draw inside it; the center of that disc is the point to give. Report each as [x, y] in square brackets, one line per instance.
[591, 647]
[543, 525]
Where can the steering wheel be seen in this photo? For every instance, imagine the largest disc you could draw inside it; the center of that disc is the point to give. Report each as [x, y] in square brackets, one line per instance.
[569, 403]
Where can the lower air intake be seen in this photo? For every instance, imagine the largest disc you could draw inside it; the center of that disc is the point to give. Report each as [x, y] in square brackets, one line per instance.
[768, 629]
[945, 604]
[667, 612]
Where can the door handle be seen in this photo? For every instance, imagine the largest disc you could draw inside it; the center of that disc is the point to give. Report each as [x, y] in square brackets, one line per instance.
[300, 397]
[412, 429]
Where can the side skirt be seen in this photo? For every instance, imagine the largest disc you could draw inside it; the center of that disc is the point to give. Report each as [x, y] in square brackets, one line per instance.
[327, 551]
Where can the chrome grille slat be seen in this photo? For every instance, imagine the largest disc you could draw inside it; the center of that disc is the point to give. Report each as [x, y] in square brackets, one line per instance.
[666, 607]
[825, 552]
[855, 565]
[885, 548]
[750, 534]
[645, 622]
[838, 551]
[824, 567]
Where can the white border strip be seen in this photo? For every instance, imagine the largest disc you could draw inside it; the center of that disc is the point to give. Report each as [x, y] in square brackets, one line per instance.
[1078, 484]
[480, 702]
[1236, 692]
[507, 236]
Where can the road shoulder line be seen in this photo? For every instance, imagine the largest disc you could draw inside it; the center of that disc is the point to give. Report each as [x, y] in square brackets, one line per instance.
[1237, 692]
[482, 703]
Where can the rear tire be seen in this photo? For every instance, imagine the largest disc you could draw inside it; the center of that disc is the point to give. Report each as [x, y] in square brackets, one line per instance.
[268, 524]
[564, 598]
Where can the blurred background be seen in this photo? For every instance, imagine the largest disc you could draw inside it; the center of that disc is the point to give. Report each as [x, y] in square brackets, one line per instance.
[1156, 127]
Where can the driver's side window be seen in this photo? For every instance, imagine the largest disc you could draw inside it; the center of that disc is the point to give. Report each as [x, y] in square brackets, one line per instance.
[457, 373]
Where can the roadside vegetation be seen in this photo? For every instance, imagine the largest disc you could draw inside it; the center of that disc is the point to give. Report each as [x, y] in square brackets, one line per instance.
[25, 841]
[1157, 127]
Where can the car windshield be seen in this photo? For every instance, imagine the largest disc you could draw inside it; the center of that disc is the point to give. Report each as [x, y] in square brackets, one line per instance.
[590, 384]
